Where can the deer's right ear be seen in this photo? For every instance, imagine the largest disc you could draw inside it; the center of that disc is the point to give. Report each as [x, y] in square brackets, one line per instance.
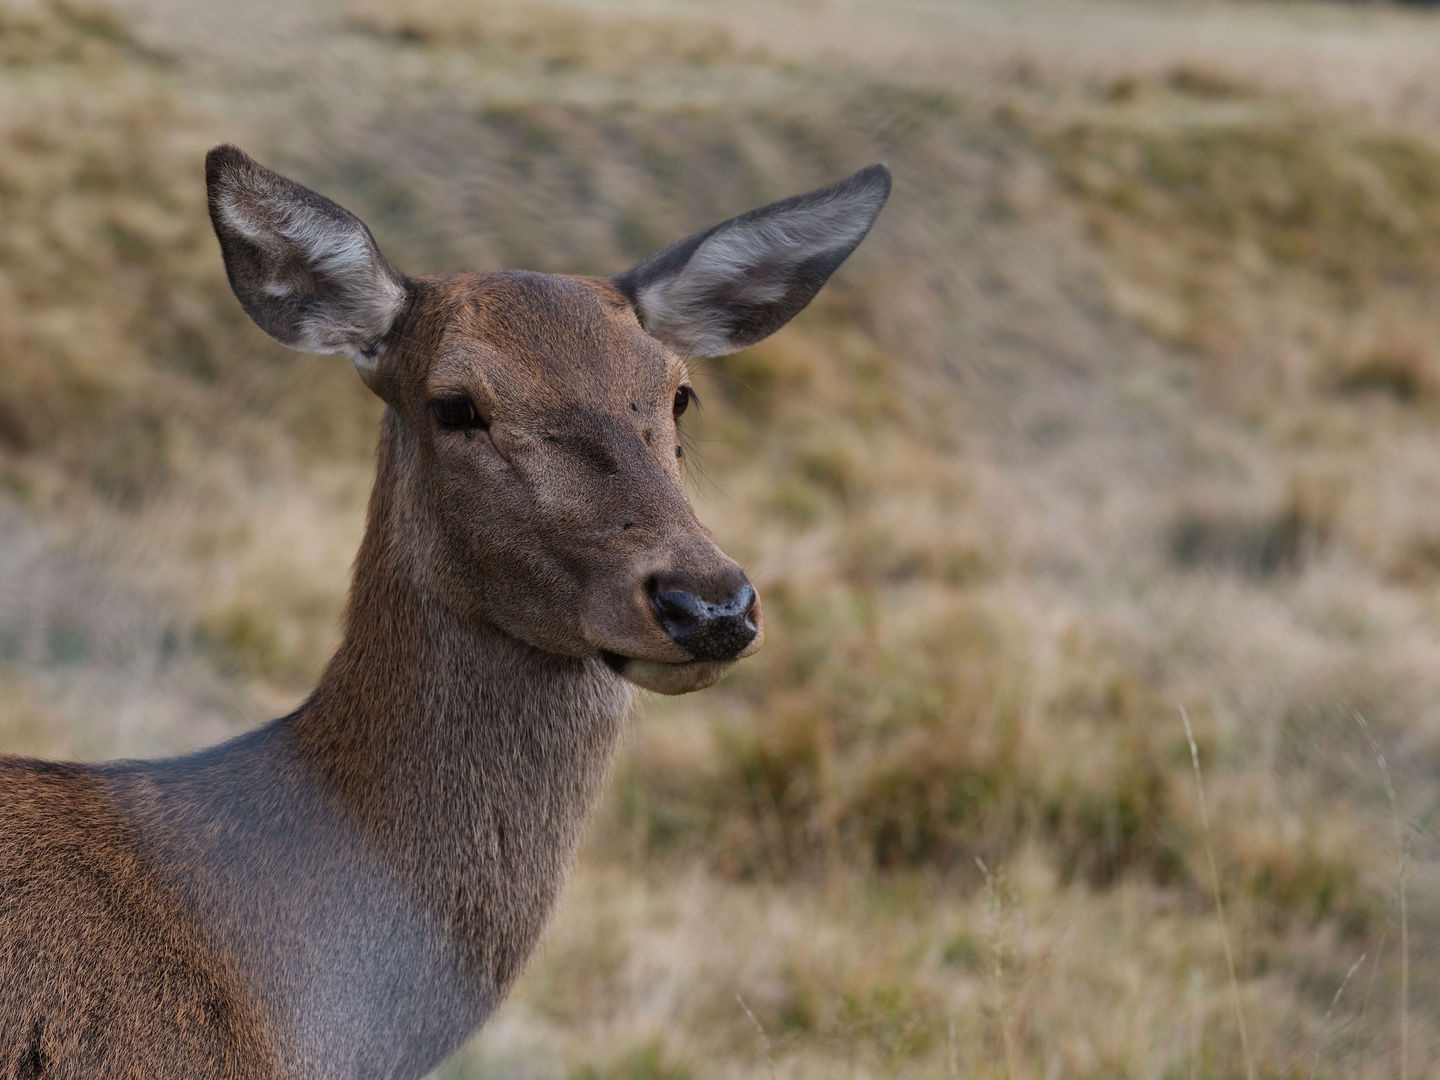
[728, 287]
[306, 270]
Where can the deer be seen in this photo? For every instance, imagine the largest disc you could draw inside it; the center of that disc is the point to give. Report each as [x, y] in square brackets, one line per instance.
[350, 890]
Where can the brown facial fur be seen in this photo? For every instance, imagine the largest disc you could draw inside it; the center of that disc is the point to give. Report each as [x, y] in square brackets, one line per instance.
[573, 499]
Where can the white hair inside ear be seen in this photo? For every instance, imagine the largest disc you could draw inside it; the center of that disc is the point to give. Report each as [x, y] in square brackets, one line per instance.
[312, 255]
[307, 271]
[726, 288]
[749, 266]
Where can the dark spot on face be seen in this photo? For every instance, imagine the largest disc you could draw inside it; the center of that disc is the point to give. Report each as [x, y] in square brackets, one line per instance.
[33, 1062]
[628, 524]
[635, 405]
[217, 1012]
[679, 452]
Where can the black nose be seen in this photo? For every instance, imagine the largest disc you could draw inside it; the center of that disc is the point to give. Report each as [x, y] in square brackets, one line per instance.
[707, 631]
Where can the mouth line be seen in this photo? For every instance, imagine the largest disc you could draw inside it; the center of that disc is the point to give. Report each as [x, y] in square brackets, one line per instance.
[667, 677]
[617, 662]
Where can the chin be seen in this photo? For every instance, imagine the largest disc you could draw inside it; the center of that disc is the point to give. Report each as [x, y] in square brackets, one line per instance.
[672, 679]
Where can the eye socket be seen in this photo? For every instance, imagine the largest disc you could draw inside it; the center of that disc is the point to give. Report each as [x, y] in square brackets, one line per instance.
[683, 397]
[457, 412]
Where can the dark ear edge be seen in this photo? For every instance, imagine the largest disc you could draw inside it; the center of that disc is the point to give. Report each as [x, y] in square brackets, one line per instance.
[307, 270]
[740, 281]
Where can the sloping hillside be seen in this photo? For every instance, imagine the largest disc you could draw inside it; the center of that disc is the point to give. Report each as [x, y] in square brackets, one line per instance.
[1128, 404]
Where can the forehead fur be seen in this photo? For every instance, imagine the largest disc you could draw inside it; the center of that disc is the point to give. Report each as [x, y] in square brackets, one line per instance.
[547, 332]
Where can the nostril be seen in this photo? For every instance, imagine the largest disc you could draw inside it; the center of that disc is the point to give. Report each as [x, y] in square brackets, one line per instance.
[746, 598]
[679, 612]
[742, 603]
[708, 631]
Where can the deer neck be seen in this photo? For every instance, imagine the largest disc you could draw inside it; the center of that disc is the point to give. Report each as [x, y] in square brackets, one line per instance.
[469, 760]
[379, 864]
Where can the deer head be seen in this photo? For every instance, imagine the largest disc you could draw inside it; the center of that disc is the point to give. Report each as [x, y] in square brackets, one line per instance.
[537, 465]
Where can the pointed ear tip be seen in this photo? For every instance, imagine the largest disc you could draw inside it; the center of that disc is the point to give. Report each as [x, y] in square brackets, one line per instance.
[224, 152]
[878, 175]
[229, 167]
[222, 159]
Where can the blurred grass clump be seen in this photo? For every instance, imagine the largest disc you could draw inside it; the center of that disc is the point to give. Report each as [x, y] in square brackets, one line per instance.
[101, 225]
[868, 742]
[126, 358]
[131, 377]
[1254, 230]
[549, 34]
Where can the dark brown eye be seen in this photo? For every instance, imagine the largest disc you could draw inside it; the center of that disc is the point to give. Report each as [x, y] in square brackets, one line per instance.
[682, 400]
[455, 411]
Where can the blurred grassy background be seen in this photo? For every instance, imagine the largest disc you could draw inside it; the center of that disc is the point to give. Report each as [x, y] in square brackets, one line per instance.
[1129, 403]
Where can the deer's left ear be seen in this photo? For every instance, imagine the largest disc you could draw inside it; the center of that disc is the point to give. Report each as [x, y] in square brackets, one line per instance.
[728, 287]
[306, 270]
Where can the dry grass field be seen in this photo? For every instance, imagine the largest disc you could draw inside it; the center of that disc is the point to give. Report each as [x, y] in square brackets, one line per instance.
[1130, 405]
